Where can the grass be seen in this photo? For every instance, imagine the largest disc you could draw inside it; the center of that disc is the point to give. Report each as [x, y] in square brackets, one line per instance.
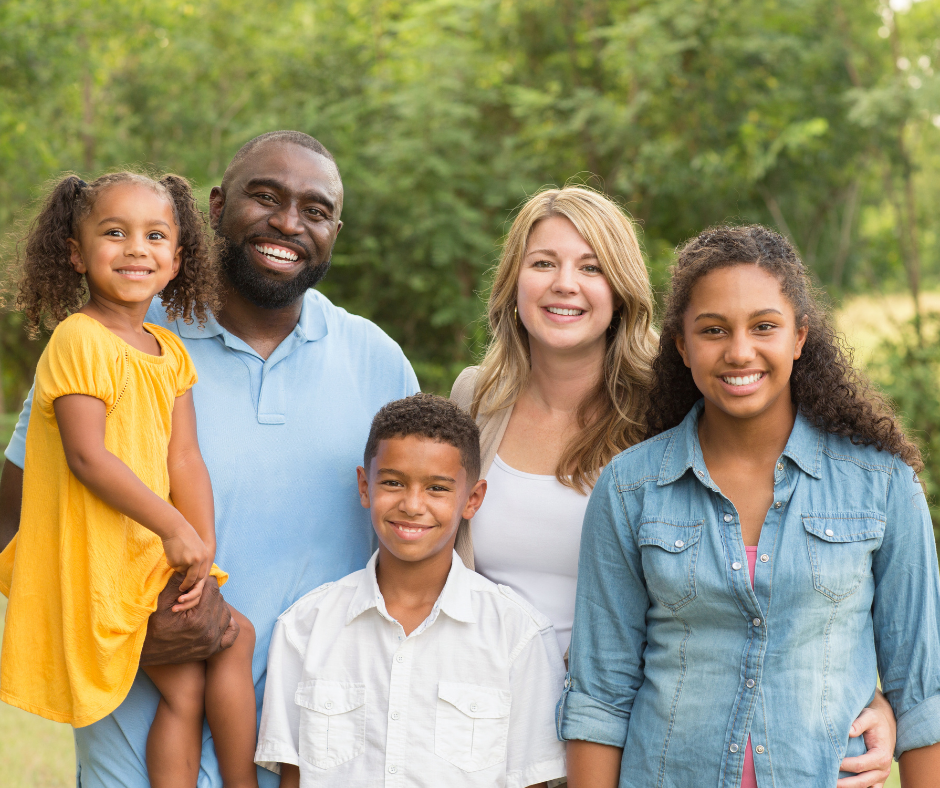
[37, 753]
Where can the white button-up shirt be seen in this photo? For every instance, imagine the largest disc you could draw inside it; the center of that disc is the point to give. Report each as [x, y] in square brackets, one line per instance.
[467, 699]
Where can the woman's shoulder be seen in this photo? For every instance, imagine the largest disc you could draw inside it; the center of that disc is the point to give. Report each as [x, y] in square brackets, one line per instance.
[464, 387]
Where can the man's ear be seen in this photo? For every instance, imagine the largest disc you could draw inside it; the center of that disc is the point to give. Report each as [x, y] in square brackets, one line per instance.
[475, 500]
[362, 480]
[75, 257]
[216, 204]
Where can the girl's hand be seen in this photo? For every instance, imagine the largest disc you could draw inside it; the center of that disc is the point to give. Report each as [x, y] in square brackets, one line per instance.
[191, 598]
[188, 555]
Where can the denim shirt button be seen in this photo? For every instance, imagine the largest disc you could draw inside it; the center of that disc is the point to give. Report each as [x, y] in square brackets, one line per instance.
[759, 749]
[756, 622]
[750, 683]
[728, 518]
[736, 566]
[679, 543]
[779, 466]
[764, 558]
[829, 532]
[778, 504]
[733, 748]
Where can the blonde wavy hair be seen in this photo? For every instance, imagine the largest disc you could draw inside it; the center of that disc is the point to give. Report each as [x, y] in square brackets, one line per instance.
[612, 417]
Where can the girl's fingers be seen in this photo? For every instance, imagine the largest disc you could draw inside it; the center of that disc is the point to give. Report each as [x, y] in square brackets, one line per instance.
[192, 577]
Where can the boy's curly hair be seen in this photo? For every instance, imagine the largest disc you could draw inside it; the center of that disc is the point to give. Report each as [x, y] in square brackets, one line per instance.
[432, 417]
[824, 385]
[50, 289]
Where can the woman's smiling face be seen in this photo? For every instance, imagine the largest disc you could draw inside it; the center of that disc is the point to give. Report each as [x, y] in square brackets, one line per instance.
[565, 302]
[740, 339]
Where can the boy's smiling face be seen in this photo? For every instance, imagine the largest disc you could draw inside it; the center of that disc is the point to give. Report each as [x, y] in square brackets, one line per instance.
[417, 492]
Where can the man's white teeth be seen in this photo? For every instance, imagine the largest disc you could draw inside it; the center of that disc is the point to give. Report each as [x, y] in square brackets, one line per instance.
[570, 312]
[743, 381]
[276, 252]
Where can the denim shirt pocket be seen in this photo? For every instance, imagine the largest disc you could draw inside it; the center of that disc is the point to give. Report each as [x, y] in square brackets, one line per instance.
[668, 551]
[840, 546]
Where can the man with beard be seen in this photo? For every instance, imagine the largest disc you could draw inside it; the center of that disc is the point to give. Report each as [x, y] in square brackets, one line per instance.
[288, 385]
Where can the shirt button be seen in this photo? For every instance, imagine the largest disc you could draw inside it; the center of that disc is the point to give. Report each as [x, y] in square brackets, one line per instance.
[728, 518]
[395, 715]
[765, 558]
[399, 657]
[778, 504]
[779, 466]
[328, 704]
[756, 622]
[759, 749]
[736, 566]
[733, 748]
[829, 532]
[750, 683]
[679, 543]
[392, 769]
[473, 707]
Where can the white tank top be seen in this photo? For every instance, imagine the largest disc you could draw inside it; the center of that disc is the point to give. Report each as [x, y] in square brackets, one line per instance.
[527, 535]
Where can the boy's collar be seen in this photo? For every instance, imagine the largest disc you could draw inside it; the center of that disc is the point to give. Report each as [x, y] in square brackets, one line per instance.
[454, 600]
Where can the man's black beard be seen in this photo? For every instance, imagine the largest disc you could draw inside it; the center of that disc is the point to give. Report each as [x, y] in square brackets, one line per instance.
[254, 286]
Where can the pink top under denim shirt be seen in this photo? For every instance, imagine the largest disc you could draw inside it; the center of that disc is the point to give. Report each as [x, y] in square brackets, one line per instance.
[678, 659]
[748, 776]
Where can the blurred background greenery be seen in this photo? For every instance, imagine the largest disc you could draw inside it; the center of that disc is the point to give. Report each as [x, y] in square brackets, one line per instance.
[818, 117]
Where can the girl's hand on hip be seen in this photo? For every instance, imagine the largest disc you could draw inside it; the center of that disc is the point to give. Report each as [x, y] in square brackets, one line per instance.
[872, 768]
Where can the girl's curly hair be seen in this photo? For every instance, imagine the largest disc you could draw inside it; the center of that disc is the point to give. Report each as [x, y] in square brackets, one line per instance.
[824, 385]
[50, 289]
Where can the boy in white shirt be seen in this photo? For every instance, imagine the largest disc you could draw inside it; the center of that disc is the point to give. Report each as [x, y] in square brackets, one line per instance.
[414, 671]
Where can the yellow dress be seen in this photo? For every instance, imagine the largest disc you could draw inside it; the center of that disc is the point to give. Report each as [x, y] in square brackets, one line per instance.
[82, 578]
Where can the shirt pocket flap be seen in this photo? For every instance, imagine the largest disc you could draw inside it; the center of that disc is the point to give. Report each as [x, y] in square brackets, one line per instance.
[475, 701]
[330, 697]
[674, 536]
[845, 527]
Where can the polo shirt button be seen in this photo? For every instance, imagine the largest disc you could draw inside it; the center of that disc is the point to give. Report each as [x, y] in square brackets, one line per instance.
[399, 657]
[750, 683]
[764, 558]
[679, 543]
[736, 566]
[395, 715]
[733, 748]
[328, 704]
[473, 707]
[778, 504]
[756, 622]
[392, 769]
[829, 532]
[759, 749]
[728, 518]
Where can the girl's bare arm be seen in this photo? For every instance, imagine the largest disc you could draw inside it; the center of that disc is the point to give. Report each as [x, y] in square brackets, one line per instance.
[81, 422]
[920, 768]
[290, 776]
[593, 765]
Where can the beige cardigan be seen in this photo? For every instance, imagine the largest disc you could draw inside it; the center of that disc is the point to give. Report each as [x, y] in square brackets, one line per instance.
[492, 428]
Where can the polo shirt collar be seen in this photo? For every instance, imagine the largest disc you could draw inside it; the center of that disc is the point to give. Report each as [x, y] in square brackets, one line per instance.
[455, 600]
[804, 447]
[311, 325]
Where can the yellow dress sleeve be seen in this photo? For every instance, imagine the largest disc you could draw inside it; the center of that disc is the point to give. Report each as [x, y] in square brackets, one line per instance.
[79, 359]
[172, 345]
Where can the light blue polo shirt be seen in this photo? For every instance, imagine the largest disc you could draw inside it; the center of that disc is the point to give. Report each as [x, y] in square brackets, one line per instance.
[281, 439]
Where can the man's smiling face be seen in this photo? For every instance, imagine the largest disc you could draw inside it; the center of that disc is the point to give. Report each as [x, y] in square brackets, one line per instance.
[276, 219]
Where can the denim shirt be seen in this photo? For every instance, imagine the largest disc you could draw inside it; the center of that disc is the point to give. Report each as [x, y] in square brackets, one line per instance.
[676, 659]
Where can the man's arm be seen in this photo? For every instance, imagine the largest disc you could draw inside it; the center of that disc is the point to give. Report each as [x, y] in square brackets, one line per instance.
[11, 499]
[290, 776]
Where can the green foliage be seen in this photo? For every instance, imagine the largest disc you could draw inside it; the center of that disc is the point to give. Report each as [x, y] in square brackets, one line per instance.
[445, 114]
[906, 367]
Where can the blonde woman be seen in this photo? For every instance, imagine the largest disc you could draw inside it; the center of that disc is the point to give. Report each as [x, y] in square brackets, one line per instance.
[561, 390]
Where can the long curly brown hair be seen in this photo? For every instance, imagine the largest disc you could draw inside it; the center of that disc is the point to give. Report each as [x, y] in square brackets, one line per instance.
[50, 289]
[824, 385]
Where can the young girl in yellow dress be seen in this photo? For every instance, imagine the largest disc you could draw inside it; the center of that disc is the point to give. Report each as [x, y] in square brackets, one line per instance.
[111, 439]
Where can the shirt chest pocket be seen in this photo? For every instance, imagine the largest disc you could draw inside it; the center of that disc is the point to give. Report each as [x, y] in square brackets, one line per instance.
[840, 547]
[332, 721]
[472, 725]
[669, 551]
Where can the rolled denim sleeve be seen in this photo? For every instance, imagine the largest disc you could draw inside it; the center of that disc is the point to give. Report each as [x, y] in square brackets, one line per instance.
[16, 448]
[906, 613]
[609, 633]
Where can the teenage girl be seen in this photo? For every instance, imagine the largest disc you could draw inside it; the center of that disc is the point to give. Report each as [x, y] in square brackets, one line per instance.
[748, 573]
[112, 438]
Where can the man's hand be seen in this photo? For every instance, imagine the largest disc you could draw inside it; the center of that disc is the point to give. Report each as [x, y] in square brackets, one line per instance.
[872, 768]
[192, 635]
